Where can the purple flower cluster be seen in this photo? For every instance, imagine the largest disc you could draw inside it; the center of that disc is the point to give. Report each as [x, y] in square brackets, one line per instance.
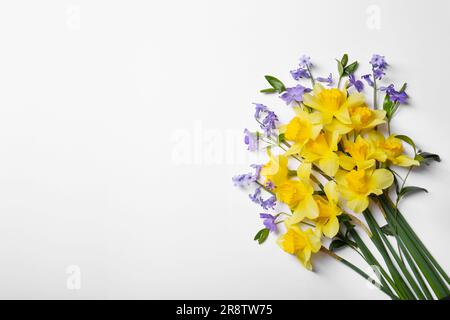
[395, 96]
[294, 94]
[379, 64]
[266, 204]
[269, 221]
[269, 122]
[302, 72]
[246, 179]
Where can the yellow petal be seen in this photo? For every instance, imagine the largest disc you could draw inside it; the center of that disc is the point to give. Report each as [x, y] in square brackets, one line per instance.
[331, 191]
[294, 149]
[343, 115]
[346, 162]
[304, 170]
[305, 257]
[330, 164]
[331, 228]
[405, 161]
[381, 179]
[358, 204]
[306, 208]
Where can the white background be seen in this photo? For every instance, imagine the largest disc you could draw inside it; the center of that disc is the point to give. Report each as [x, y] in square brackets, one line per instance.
[95, 94]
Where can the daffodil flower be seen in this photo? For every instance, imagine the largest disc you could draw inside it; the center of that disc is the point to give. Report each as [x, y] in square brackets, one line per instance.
[300, 243]
[327, 222]
[333, 103]
[362, 154]
[302, 128]
[298, 195]
[392, 147]
[356, 186]
[276, 170]
[322, 152]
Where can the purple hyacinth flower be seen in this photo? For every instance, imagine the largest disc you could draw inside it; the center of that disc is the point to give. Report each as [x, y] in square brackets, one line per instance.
[269, 185]
[269, 203]
[367, 78]
[259, 108]
[328, 80]
[269, 221]
[378, 73]
[353, 82]
[294, 94]
[378, 61]
[256, 196]
[243, 180]
[269, 123]
[304, 61]
[300, 73]
[251, 140]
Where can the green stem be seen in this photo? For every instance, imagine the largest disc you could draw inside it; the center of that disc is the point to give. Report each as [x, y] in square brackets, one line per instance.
[433, 278]
[359, 271]
[378, 233]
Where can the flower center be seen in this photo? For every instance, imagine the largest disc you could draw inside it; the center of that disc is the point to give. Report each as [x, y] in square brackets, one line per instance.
[293, 241]
[357, 181]
[332, 99]
[298, 130]
[291, 192]
[361, 116]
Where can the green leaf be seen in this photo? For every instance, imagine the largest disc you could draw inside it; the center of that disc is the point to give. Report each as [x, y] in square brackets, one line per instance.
[281, 138]
[388, 106]
[351, 68]
[336, 244]
[344, 60]
[427, 157]
[410, 189]
[262, 235]
[403, 88]
[340, 68]
[387, 230]
[408, 140]
[275, 83]
[268, 90]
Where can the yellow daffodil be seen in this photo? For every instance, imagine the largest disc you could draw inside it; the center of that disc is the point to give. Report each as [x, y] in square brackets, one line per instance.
[300, 243]
[356, 186]
[303, 127]
[298, 195]
[333, 103]
[362, 154]
[392, 147]
[327, 222]
[365, 118]
[322, 152]
[276, 170]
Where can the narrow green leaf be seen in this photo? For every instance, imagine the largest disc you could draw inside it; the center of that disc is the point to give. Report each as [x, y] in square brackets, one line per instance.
[258, 234]
[275, 83]
[410, 189]
[408, 140]
[268, 90]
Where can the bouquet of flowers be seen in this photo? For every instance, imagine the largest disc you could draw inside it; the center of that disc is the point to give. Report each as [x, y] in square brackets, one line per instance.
[332, 174]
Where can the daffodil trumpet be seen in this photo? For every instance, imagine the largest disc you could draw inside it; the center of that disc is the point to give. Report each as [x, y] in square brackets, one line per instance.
[332, 165]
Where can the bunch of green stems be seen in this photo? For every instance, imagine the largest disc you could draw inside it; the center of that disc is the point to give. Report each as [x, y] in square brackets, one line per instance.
[408, 271]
